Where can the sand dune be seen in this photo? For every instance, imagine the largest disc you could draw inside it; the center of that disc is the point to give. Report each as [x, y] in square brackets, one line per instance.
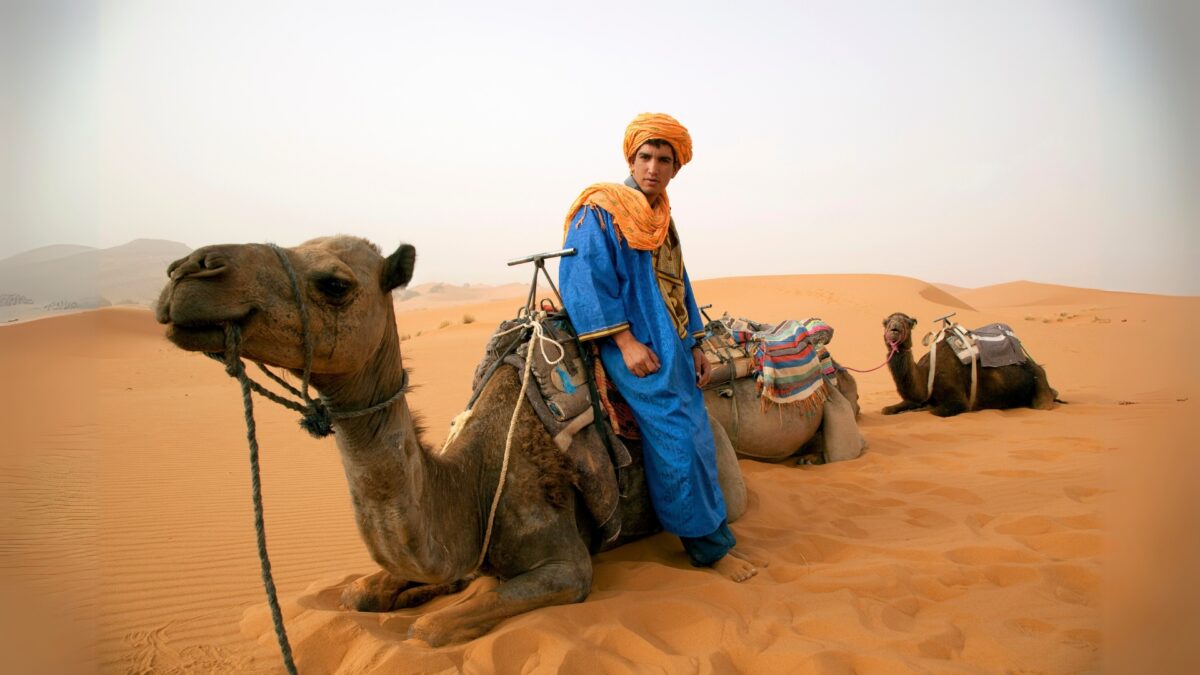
[1000, 541]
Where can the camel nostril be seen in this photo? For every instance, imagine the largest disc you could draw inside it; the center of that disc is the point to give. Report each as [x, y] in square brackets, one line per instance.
[212, 261]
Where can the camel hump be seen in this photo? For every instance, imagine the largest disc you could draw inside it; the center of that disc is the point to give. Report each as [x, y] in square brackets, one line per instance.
[559, 394]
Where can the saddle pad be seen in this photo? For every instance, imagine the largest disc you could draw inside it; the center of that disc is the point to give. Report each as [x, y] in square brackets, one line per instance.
[998, 346]
[790, 358]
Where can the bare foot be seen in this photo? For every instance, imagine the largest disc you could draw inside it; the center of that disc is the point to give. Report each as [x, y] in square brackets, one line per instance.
[735, 567]
[753, 561]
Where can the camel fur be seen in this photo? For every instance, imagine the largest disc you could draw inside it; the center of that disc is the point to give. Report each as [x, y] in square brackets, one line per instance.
[422, 514]
[1014, 386]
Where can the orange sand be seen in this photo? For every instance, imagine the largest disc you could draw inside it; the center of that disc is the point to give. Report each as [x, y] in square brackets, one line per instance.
[999, 541]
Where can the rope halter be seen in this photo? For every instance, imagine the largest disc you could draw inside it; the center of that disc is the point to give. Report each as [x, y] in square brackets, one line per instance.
[316, 417]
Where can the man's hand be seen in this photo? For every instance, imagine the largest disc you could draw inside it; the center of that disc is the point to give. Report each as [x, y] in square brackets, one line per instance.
[703, 367]
[639, 359]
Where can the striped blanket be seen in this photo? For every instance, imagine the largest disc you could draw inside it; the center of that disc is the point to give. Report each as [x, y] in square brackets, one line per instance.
[790, 358]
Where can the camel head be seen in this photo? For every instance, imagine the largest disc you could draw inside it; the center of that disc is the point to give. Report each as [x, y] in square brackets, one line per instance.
[897, 330]
[344, 281]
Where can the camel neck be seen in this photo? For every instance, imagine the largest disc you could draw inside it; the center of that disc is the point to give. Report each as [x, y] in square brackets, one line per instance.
[396, 484]
[906, 375]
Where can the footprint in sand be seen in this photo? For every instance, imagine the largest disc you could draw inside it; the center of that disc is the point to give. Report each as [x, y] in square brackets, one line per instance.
[1029, 525]
[848, 528]
[1082, 493]
[935, 589]
[978, 521]
[1073, 584]
[931, 520]
[901, 614]
[1082, 638]
[920, 486]
[988, 555]
[1065, 544]
[909, 487]
[1012, 473]
[1010, 575]
[945, 645]
[1029, 627]
[1039, 454]
[957, 495]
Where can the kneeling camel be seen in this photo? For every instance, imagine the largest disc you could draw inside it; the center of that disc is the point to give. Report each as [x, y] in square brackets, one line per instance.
[423, 515]
[1012, 386]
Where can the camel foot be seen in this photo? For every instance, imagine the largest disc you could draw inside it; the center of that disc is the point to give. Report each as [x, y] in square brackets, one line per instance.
[433, 630]
[423, 593]
[381, 592]
[949, 409]
[902, 406]
[417, 642]
[374, 593]
[735, 567]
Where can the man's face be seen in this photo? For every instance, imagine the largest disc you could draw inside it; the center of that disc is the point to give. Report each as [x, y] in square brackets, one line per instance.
[653, 167]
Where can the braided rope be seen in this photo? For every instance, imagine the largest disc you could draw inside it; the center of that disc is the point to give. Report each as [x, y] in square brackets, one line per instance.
[317, 420]
[234, 366]
[893, 349]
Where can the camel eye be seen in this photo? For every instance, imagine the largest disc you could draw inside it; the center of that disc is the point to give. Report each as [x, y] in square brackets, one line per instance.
[334, 288]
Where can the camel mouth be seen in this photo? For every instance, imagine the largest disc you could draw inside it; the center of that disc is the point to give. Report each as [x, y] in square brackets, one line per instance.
[202, 335]
[197, 337]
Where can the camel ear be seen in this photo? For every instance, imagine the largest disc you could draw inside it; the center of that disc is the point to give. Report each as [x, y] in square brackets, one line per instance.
[398, 268]
[911, 322]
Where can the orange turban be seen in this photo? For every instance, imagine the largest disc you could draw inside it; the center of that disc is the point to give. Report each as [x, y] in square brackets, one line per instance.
[643, 226]
[648, 126]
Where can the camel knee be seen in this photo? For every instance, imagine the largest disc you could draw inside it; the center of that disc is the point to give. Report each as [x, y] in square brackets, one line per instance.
[559, 583]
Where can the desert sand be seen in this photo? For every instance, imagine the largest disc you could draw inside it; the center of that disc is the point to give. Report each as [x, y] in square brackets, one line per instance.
[1019, 541]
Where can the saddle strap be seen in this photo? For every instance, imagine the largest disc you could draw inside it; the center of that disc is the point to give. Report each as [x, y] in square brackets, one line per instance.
[974, 379]
[932, 365]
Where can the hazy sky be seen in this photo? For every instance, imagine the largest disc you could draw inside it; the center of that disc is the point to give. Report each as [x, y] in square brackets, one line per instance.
[962, 142]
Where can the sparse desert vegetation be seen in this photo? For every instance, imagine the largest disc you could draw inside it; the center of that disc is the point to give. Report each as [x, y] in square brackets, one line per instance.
[10, 299]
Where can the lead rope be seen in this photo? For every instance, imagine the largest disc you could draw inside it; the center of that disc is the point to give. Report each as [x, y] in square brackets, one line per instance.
[893, 349]
[234, 366]
[317, 420]
[539, 339]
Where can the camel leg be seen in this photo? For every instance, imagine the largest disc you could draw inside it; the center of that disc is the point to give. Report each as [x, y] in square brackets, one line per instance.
[382, 592]
[950, 408]
[553, 583]
[902, 406]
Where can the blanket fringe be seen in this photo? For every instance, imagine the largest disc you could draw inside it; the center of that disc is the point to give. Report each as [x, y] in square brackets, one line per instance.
[809, 405]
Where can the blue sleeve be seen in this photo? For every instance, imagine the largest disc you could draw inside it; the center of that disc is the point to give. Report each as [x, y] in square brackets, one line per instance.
[590, 281]
[695, 327]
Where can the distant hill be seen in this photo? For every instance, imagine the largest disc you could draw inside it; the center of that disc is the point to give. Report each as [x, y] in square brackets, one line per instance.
[432, 295]
[45, 253]
[66, 277]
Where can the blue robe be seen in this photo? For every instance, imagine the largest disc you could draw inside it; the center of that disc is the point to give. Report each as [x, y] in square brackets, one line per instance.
[605, 287]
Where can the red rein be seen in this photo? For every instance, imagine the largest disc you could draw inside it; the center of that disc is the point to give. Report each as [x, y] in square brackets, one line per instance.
[894, 348]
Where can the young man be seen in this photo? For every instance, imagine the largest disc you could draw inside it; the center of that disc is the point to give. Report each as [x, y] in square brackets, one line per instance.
[626, 288]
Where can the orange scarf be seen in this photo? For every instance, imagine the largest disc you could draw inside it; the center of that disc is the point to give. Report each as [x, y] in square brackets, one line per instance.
[645, 228]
